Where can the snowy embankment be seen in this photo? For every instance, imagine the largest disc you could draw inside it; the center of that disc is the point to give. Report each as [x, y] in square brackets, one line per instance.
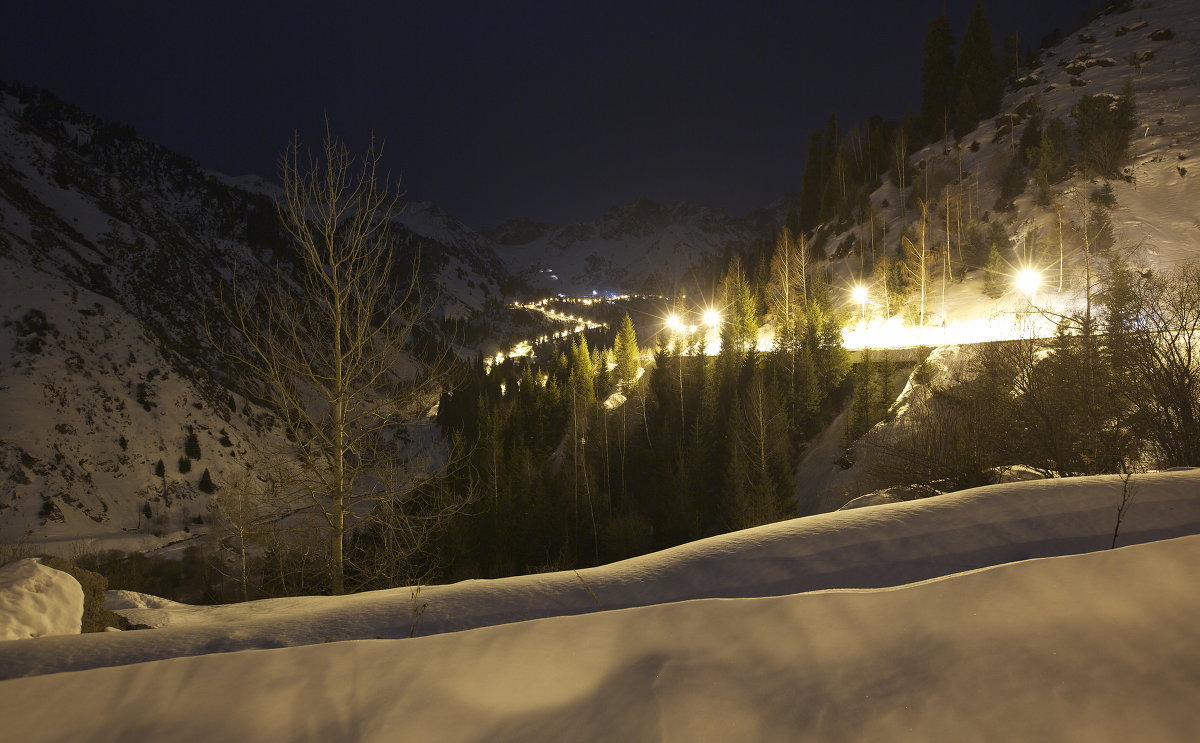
[1096, 647]
[866, 548]
[38, 601]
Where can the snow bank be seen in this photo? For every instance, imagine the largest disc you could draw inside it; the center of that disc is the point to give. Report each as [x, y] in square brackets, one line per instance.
[870, 547]
[1097, 647]
[37, 601]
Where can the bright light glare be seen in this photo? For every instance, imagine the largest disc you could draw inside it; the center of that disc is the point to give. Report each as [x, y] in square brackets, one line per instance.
[859, 293]
[1029, 280]
[674, 323]
[712, 318]
[895, 333]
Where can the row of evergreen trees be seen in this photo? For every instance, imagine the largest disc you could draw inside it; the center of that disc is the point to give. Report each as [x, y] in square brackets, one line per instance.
[958, 91]
[598, 449]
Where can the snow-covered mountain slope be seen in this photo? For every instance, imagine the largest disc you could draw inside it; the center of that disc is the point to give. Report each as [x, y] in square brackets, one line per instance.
[110, 249]
[865, 548]
[642, 246]
[1155, 46]
[468, 271]
[1094, 646]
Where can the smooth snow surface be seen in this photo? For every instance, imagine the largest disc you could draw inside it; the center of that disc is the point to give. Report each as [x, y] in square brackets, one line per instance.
[872, 547]
[1096, 647]
[38, 601]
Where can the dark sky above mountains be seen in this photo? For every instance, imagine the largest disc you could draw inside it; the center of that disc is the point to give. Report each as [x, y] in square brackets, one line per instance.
[551, 110]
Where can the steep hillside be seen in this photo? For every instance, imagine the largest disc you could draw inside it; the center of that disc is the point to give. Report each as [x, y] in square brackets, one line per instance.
[1155, 47]
[110, 249]
[642, 246]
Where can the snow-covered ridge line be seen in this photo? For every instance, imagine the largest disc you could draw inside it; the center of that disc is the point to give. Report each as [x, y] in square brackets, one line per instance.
[870, 547]
[1097, 647]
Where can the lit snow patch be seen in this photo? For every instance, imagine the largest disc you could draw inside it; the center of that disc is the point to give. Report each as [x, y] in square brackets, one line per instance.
[38, 601]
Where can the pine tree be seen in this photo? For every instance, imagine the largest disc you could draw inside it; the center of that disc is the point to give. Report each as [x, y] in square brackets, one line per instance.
[993, 274]
[191, 446]
[884, 385]
[758, 476]
[206, 483]
[626, 351]
[739, 330]
[583, 372]
[1103, 127]
[1050, 159]
[813, 182]
[979, 85]
[1012, 184]
[937, 80]
[859, 419]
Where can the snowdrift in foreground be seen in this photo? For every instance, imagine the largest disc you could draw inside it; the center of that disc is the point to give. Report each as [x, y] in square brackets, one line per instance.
[872, 547]
[1095, 647]
[38, 601]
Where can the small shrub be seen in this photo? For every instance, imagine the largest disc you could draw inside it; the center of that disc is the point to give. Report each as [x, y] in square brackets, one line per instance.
[95, 617]
[185, 465]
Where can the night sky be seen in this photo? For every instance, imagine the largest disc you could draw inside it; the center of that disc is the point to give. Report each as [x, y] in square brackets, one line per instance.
[550, 110]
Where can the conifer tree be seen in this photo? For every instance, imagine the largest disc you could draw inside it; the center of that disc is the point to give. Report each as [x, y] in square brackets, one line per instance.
[759, 474]
[979, 85]
[626, 352]
[739, 329]
[206, 483]
[1050, 159]
[813, 182]
[1103, 127]
[993, 276]
[191, 446]
[884, 386]
[937, 80]
[583, 372]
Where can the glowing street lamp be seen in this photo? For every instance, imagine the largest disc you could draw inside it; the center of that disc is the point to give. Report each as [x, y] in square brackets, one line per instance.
[712, 318]
[859, 293]
[674, 324]
[1028, 281]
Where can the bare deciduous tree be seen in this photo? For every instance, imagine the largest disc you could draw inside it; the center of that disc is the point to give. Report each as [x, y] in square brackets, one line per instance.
[1153, 323]
[328, 339]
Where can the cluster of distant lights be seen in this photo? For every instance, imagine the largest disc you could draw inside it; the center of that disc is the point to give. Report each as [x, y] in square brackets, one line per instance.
[880, 333]
[575, 323]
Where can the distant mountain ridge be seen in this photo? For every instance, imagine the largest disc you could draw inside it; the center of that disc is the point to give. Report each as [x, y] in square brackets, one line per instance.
[643, 245]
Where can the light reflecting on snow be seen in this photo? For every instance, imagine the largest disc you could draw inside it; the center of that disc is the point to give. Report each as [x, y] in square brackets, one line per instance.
[896, 333]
